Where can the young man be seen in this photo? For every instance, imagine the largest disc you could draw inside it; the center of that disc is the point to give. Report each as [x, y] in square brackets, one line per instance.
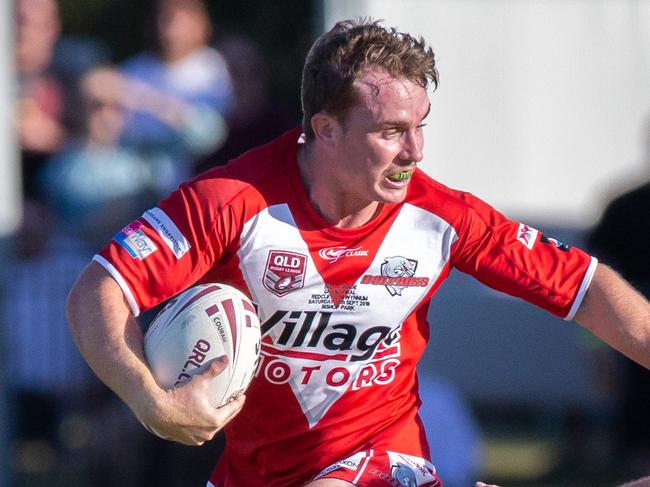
[341, 242]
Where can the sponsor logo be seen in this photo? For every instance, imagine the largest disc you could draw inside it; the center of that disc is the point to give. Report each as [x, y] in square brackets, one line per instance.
[527, 235]
[332, 254]
[278, 371]
[219, 325]
[350, 463]
[310, 335]
[168, 231]
[397, 273]
[320, 358]
[552, 241]
[133, 239]
[285, 272]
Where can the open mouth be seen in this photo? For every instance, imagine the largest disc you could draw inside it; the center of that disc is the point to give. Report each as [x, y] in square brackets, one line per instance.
[400, 176]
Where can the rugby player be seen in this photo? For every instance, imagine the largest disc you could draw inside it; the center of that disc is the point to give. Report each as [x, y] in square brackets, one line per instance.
[341, 241]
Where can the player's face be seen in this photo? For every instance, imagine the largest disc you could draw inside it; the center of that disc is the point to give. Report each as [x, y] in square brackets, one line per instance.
[381, 138]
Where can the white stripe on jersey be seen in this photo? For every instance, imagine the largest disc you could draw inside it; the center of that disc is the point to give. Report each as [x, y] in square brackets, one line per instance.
[586, 280]
[135, 309]
[363, 466]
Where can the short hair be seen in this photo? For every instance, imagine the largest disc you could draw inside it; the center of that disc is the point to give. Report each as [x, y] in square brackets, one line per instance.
[337, 58]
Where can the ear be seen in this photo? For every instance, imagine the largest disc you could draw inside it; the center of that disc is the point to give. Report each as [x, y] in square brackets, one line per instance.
[326, 127]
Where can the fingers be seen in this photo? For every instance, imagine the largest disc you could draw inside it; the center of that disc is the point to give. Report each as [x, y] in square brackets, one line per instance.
[222, 417]
[189, 415]
[481, 484]
[214, 367]
[229, 410]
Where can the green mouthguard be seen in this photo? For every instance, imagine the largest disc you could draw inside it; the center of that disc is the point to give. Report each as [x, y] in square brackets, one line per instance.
[400, 176]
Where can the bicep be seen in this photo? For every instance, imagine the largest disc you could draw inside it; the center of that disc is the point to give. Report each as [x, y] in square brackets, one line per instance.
[95, 298]
[110, 338]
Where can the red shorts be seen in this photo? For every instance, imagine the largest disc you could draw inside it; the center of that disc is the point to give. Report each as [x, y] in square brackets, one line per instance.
[374, 468]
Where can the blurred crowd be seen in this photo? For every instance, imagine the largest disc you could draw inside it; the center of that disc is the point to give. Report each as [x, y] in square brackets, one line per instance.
[102, 141]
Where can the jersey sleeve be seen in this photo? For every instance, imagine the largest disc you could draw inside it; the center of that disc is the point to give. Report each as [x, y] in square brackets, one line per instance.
[521, 261]
[171, 246]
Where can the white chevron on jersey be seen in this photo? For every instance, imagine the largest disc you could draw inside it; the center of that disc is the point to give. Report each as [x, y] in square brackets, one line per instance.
[299, 349]
[272, 229]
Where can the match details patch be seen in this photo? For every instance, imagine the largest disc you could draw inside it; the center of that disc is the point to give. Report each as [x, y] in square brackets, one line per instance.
[527, 235]
[135, 241]
[168, 231]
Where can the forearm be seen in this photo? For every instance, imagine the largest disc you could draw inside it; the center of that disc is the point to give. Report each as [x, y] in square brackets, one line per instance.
[619, 315]
[110, 339]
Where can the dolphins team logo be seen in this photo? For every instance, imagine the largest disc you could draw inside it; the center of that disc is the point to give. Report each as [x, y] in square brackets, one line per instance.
[398, 267]
[396, 274]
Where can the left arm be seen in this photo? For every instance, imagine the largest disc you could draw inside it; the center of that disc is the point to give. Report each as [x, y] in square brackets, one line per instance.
[617, 314]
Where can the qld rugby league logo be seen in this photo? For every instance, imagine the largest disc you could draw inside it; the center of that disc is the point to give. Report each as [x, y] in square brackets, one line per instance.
[284, 272]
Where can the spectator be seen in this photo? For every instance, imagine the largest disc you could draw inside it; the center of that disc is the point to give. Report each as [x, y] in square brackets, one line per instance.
[48, 67]
[179, 94]
[95, 183]
[40, 97]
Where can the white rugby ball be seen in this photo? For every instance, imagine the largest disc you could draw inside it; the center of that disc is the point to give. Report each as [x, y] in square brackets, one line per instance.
[202, 323]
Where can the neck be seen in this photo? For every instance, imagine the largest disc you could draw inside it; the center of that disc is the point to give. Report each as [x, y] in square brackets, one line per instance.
[328, 197]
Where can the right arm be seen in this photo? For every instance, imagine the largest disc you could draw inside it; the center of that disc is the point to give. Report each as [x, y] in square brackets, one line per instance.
[111, 341]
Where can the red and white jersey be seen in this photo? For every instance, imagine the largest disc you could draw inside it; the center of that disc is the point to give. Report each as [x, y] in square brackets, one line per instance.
[343, 311]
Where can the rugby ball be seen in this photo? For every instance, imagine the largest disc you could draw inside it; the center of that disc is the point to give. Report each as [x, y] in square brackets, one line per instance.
[202, 323]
